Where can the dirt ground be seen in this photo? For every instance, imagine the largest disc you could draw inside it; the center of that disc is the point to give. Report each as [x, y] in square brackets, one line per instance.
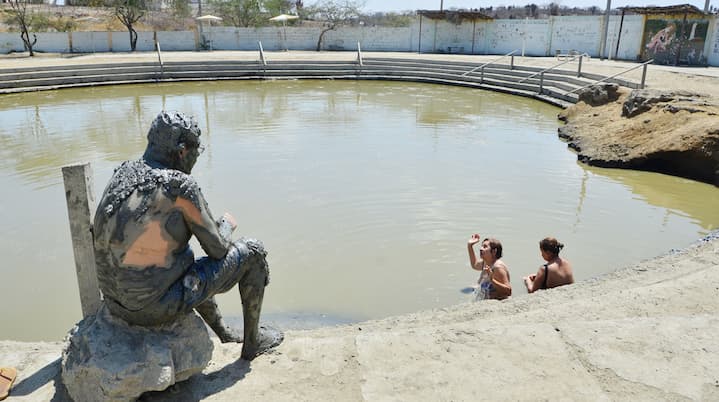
[678, 134]
[98, 19]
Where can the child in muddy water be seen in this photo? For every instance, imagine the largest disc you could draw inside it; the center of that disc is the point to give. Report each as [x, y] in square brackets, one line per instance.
[494, 278]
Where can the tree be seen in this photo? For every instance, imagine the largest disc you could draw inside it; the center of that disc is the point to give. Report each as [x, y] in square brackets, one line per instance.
[129, 12]
[533, 10]
[276, 7]
[22, 16]
[553, 9]
[334, 13]
[239, 13]
[180, 8]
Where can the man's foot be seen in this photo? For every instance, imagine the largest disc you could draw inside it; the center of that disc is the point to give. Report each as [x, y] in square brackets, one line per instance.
[269, 338]
[228, 334]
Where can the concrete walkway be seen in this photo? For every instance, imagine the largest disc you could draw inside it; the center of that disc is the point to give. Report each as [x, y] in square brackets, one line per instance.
[644, 333]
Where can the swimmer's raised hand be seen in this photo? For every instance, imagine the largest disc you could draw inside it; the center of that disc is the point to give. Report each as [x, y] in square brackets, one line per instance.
[474, 239]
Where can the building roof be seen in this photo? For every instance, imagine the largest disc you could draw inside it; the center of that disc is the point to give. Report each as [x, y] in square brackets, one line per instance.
[678, 9]
[453, 15]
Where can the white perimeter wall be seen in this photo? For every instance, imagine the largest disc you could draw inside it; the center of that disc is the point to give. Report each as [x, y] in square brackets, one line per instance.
[630, 40]
[580, 33]
[713, 52]
[504, 36]
[531, 37]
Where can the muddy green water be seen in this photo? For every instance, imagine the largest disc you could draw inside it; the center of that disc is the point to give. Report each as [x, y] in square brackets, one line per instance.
[364, 192]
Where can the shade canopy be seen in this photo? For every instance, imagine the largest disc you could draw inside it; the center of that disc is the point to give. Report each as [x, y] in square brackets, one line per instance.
[284, 17]
[208, 18]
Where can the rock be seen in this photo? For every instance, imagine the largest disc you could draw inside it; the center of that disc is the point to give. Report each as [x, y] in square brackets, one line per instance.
[642, 100]
[598, 95]
[106, 359]
[676, 109]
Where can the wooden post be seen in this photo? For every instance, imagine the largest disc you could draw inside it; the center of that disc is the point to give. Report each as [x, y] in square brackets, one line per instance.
[80, 203]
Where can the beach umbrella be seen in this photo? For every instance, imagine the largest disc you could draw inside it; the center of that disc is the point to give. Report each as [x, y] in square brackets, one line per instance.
[284, 18]
[209, 18]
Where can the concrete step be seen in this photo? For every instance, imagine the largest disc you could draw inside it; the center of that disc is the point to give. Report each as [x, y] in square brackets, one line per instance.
[555, 85]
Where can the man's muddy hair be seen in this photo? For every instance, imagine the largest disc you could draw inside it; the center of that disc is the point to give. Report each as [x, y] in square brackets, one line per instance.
[171, 132]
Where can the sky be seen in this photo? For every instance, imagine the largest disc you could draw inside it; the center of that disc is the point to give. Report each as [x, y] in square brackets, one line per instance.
[400, 5]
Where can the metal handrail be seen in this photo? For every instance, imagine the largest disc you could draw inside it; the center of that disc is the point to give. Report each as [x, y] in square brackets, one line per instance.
[644, 74]
[490, 62]
[262, 54]
[359, 55]
[545, 70]
[159, 58]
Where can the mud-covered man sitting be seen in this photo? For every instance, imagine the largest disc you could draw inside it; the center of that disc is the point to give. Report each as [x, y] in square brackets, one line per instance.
[146, 269]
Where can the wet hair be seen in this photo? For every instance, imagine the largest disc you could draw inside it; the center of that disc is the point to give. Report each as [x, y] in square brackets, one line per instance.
[551, 245]
[172, 132]
[494, 245]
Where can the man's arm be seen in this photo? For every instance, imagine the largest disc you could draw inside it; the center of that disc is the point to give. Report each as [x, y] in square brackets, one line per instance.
[204, 227]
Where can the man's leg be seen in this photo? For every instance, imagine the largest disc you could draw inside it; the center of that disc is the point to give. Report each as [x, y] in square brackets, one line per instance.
[252, 291]
[211, 314]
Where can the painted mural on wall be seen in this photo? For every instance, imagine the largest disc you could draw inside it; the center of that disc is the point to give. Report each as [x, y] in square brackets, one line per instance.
[675, 41]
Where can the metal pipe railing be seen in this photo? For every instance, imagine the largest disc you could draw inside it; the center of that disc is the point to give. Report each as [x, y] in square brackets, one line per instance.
[545, 70]
[641, 85]
[262, 54]
[489, 62]
[159, 58]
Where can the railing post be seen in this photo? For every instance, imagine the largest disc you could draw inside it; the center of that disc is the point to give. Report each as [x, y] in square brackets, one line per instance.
[159, 58]
[541, 82]
[481, 76]
[579, 69]
[262, 54]
[511, 63]
[644, 76]
[80, 203]
[359, 54]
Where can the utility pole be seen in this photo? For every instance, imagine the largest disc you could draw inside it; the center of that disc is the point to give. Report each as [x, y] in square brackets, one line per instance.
[706, 6]
[441, 4]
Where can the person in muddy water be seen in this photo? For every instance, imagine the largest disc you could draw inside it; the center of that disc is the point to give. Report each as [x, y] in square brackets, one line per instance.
[145, 267]
[556, 272]
[493, 281]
